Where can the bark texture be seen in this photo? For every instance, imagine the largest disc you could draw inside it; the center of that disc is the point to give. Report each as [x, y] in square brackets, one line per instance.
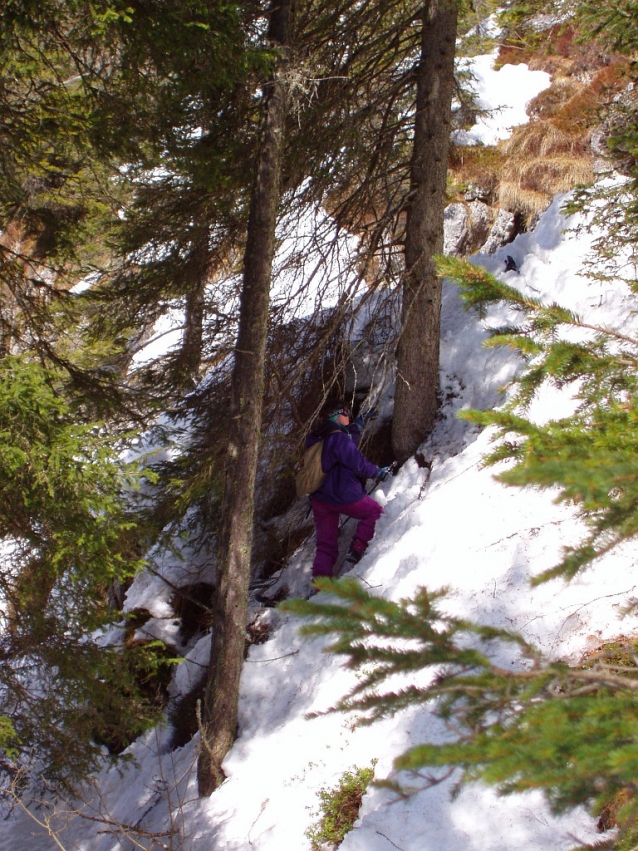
[189, 361]
[219, 716]
[418, 352]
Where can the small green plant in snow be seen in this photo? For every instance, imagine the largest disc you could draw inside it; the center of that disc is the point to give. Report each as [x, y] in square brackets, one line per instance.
[340, 807]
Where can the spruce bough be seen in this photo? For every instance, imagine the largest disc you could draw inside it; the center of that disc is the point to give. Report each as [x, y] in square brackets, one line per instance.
[589, 456]
[66, 534]
[568, 731]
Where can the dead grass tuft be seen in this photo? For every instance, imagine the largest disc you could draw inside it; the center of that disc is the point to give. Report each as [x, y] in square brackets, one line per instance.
[479, 166]
[527, 186]
[544, 139]
[608, 818]
[549, 174]
[550, 101]
[512, 196]
[615, 811]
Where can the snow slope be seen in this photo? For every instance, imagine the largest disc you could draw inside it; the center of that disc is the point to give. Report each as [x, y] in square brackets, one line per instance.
[458, 528]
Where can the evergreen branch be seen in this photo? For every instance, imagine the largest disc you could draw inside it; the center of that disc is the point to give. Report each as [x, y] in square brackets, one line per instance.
[569, 731]
[479, 289]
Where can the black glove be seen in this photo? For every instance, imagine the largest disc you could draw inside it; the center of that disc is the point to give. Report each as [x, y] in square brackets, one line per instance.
[362, 419]
[382, 473]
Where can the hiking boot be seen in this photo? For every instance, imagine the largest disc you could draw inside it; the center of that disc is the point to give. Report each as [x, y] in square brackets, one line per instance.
[353, 557]
[357, 549]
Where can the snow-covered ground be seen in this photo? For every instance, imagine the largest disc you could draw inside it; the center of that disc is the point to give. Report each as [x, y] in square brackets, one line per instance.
[458, 528]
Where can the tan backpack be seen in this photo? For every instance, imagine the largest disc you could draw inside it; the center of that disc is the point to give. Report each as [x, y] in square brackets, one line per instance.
[311, 475]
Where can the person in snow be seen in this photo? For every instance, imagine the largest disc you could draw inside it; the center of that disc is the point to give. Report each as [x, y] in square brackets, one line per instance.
[510, 264]
[343, 490]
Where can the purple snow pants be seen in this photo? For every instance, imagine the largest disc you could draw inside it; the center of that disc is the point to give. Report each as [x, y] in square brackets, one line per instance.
[326, 515]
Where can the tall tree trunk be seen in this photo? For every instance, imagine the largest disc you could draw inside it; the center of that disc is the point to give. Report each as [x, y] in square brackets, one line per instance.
[418, 352]
[191, 354]
[219, 718]
[189, 361]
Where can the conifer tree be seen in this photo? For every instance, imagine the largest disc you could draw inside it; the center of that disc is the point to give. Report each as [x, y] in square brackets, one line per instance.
[185, 73]
[49, 201]
[590, 455]
[67, 531]
[121, 94]
[78, 98]
[417, 380]
[219, 717]
[614, 203]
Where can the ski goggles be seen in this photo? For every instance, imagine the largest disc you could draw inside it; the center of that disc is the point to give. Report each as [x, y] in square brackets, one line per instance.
[343, 411]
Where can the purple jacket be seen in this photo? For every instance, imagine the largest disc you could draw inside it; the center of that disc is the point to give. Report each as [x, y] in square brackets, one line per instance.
[344, 465]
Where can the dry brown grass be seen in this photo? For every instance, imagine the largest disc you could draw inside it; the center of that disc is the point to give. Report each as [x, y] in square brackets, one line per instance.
[552, 100]
[554, 174]
[544, 139]
[528, 186]
[552, 153]
[539, 160]
[607, 819]
[512, 196]
[474, 166]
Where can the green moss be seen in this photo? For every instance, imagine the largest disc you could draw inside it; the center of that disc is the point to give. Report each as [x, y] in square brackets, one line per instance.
[619, 653]
[340, 807]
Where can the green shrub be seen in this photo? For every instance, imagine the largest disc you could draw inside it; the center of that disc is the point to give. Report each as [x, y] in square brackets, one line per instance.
[340, 807]
[67, 532]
